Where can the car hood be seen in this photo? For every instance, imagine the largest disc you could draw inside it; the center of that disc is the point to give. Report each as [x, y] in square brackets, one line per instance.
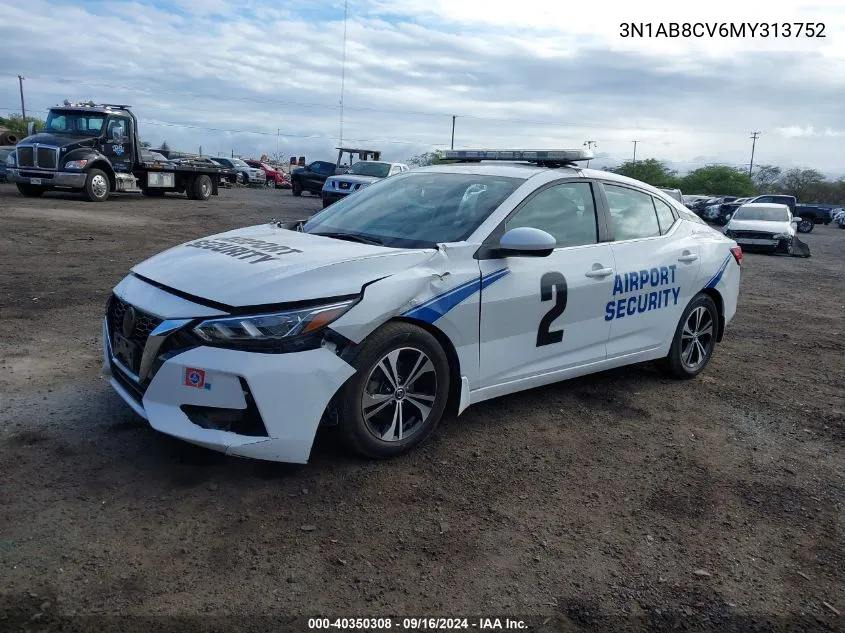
[354, 178]
[264, 264]
[759, 225]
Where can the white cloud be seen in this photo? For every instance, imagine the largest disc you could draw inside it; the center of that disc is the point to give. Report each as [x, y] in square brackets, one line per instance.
[547, 74]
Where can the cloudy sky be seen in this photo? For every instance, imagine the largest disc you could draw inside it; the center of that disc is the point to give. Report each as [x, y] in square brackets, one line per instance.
[250, 76]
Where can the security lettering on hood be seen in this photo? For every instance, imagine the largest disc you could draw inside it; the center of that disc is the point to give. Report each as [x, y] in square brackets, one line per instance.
[646, 290]
[244, 248]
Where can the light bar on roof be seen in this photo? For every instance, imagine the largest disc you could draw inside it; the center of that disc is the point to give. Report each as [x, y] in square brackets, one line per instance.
[532, 155]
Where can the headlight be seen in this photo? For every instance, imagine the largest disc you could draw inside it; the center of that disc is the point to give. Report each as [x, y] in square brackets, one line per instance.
[76, 164]
[10, 160]
[286, 331]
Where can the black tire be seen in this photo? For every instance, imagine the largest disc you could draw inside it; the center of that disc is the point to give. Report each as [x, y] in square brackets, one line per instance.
[297, 188]
[31, 191]
[414, 343]
[153, 192]
[805, 225]
[326, 204]
[674, 365]
[97, 186]
[270, 183]
[199, 188]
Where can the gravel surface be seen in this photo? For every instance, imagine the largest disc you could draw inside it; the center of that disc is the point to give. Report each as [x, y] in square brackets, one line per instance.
[620, 500]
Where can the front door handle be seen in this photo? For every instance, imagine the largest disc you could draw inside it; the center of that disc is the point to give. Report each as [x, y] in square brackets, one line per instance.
[599, 272]
[688, 257]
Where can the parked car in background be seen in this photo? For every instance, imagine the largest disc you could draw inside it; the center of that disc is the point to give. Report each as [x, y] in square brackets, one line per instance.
[674, 193]
[811, 215]
[728, 208]
[312, 177]
[839, 217]
[711, 207]
[690, 201]
[360, 175]
[246, 175]
[5, 150]
[767, 226]
[272, 177]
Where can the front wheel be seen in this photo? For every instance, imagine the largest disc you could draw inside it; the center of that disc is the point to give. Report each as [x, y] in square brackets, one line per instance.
[695, 339]
[35, 191]
[398, 394]
[96, 186]
[297, 189]
[271, 183]
[805, 225]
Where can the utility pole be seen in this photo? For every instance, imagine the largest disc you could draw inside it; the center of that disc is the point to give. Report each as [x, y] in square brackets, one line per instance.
[753, 137]
[277, 143]
[453, 131]
[23, 107]
[635, 150]
[589, 145]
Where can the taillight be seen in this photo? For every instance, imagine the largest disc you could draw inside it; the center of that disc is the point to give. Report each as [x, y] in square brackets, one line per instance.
[737, 253]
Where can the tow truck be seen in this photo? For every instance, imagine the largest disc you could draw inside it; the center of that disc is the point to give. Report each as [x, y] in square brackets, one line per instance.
[94, 148]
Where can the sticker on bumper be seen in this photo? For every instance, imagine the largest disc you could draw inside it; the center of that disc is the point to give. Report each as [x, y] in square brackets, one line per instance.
[196, 378]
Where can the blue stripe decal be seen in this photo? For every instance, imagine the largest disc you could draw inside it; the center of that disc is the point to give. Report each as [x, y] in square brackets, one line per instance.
[437, 306]
[714, 281]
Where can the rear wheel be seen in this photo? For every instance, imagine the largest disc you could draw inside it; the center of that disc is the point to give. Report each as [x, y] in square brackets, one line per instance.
[805, 225]
[200, 188]
[398, 394]
[31, 191]
[695, 339]
[97, 186]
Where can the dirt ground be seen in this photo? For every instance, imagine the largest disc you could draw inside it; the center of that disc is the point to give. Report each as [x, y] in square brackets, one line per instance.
[618, 501]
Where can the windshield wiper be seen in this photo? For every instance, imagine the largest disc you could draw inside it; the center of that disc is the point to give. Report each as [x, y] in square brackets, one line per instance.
[352, 237]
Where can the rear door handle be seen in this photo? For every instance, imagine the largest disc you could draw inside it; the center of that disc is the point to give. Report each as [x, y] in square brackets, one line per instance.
[599, 272]
[689, 257]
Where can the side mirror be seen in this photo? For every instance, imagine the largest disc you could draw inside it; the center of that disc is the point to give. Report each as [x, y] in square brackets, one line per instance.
[30, 128]
[728, 217]
[525, 241]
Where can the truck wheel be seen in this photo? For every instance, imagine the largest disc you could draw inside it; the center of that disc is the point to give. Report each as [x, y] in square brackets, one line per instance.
[297, 189]
[31, 191]
[96, 186]
[805, 225]
[152, 193]
[200, 188]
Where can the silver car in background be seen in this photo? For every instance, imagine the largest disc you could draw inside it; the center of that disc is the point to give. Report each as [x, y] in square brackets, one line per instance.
[360, 175]
[764, 226]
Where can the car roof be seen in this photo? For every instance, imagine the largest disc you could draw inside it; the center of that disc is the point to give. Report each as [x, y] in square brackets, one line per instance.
[765, 205]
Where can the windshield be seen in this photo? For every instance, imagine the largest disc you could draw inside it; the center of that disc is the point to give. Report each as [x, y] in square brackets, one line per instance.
[239, 163]
[769, 214]
[416, 210]
[366, 168]
[86, 123]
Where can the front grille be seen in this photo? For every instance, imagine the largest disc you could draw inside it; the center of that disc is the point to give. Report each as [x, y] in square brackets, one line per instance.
[25, 157]
[144, 324]
[754, 235]
[46, 158]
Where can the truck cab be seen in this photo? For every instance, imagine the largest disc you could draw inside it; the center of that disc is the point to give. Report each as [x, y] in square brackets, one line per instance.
[95, 149]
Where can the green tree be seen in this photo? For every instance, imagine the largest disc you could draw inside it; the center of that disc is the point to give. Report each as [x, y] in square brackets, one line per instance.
[801, 182]
[650, 170]
[17, 124]
[766, 178]
[717, 180]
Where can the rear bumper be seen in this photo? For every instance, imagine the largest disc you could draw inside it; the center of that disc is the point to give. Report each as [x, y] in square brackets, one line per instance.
[71, 180]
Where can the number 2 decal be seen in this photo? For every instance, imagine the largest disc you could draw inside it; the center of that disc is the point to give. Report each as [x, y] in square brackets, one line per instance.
[551, 284]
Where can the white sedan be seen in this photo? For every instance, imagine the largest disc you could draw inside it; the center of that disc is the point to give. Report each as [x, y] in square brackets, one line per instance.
[424, 293]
